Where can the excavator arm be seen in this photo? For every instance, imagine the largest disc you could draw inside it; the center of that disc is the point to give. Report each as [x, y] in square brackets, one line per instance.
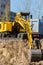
[26, 28]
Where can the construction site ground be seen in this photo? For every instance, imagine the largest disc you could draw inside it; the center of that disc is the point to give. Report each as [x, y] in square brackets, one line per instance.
[16, 52]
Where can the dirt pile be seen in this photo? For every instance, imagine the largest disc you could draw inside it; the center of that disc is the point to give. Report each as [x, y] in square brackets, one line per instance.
[14, 53]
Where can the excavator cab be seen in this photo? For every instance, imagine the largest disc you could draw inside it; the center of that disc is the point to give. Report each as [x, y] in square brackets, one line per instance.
[25, 15]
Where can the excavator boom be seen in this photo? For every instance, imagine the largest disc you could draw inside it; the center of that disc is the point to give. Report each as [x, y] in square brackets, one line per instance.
[25, 26]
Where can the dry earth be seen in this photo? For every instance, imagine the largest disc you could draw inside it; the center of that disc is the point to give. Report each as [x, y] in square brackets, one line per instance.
[15, 52]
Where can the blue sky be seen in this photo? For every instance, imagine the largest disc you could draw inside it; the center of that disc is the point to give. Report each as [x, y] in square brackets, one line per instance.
[34, 6]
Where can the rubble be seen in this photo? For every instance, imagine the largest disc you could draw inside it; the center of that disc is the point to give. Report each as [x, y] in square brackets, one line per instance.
[14, 53]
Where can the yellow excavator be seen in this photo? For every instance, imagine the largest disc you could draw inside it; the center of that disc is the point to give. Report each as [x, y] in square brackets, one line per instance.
[19, 25]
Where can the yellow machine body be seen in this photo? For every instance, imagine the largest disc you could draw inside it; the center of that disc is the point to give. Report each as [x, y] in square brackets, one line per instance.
[5, 26]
